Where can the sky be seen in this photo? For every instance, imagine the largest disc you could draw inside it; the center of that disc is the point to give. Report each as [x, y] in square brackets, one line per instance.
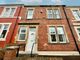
[42, 2]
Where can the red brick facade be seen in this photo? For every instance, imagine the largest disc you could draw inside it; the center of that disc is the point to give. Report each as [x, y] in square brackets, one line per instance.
[73, 22]
[11, 29]
[40, 20]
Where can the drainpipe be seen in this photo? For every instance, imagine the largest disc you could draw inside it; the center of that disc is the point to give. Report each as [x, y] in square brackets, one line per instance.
[71, 29]
[15, 23]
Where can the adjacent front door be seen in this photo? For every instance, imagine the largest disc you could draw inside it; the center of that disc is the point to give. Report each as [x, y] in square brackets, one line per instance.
[31, 40]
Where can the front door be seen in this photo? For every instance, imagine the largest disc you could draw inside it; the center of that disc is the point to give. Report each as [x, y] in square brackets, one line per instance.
[31, 40]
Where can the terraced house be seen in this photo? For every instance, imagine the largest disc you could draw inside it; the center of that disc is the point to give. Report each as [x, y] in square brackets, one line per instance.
[44, 29]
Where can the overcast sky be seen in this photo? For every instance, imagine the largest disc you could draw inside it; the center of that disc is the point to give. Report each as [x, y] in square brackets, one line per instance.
[42, 2]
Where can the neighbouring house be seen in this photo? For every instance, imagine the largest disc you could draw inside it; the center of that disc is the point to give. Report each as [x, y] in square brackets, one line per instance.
[8, 19]
[45, 29]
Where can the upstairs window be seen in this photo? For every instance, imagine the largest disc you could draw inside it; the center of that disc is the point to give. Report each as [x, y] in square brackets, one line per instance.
[77, 28]
[22, 33]
[3, 30]
[8, 12]
[56, 14]
[49, 14]
[53, 14]
[30, 14]
[12, 12]
[56, 34]
[76, 14]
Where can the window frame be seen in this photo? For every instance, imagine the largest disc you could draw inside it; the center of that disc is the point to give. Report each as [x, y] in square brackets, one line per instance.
[67, 41]
[27, 13]
[61, 34]
[3, 39]
[27, 32]
[49, 14]
[73, 13]
[57, 14]
[19, 32]
[50, 35]
[10, 7]
[77, 32]
[53, 13]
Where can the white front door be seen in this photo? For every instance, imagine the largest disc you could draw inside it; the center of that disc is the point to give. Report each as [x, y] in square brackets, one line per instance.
[31, 40]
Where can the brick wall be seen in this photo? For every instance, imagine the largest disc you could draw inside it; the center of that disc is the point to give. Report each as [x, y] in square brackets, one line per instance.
[41, 18]
[73, 21]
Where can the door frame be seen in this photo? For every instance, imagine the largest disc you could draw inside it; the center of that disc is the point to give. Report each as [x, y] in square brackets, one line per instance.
[28, 28]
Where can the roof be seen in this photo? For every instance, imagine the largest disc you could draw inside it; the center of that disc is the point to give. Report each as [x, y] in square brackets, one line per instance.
[25, 5]
[11, 4]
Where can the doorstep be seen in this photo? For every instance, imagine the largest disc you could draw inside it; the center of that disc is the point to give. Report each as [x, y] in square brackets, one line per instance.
[24, 52]
[58, 53]
[53, 53]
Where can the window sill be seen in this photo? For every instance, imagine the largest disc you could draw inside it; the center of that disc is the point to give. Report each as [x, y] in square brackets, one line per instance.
[58, 42]
[21, 40]
[79, 39]
[29, 19]
[8, 17]
[54, 19]
[45, 18]
[2, 39]
[76, 20]
[50, 42]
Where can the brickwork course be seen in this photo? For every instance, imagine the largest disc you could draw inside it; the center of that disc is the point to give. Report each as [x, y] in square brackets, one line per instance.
[42, 23]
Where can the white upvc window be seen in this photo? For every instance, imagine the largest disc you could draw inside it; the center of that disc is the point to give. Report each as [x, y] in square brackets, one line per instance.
[8, 12]
[61, 34]
[78, 32]
[76, 13]
[22, 33]
[53, 13]
[30, 13]
[56, 13]
[49, 14]
[56, 34]
[52, 34]
[3, 30]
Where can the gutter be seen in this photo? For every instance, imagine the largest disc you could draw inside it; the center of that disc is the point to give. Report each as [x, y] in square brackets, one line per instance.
[11, 4]
[71, 30]
[15, 24]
